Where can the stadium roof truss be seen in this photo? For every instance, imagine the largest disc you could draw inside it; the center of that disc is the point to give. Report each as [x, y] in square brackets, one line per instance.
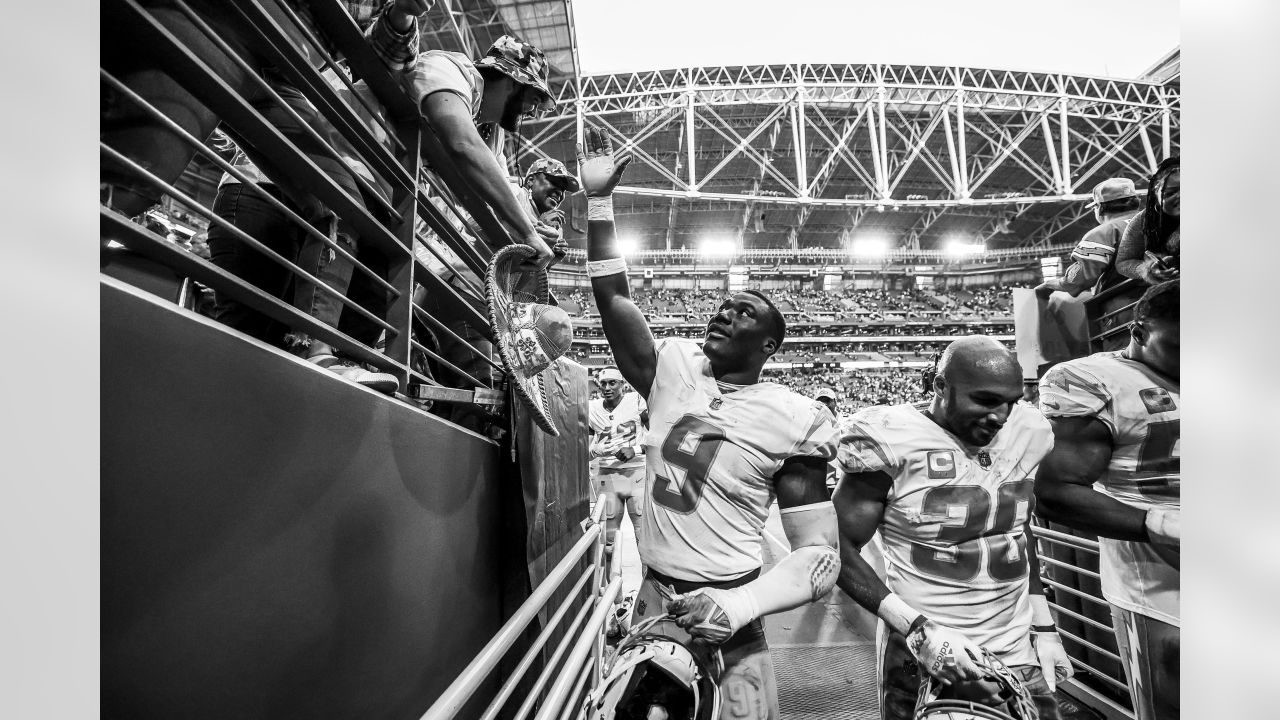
[812, 155]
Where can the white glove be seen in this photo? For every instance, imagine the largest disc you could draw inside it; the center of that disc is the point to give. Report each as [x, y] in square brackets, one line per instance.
[712, 614]
[1054, 662]
[944, 653]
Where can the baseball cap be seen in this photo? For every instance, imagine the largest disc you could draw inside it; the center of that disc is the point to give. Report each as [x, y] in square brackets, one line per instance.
[1112, 189]
[555, 170]
[825, 393]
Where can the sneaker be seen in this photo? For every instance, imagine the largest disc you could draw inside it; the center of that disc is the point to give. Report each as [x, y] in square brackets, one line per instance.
[384, 383]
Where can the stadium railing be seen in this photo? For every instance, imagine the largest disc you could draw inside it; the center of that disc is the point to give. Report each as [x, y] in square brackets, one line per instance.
[1069, 572]
[421, 202]
[1109, 314]
[575, 667]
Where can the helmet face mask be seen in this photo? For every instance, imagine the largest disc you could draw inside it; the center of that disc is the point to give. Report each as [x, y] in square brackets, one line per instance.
[650, 671]
[959, 702]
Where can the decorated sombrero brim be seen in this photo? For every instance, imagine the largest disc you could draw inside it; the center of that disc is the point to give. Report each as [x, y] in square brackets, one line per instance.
[530, 332]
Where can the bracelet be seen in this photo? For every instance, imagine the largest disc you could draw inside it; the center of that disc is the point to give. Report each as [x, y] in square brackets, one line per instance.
[600, 208]
[603, 268]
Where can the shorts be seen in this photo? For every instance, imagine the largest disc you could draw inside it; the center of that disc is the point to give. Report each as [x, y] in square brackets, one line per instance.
[900, 680]
[1149, 651]
[622, 486]
[748, 689]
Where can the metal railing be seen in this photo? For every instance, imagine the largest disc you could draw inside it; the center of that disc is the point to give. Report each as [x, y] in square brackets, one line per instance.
[1083, 618]
[236, 62]
[575, 665]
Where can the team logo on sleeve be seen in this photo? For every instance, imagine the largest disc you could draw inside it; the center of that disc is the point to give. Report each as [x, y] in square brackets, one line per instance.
[942, 465]
[1158, 400]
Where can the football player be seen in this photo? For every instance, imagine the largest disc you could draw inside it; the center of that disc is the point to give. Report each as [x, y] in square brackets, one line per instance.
[1114, 471]
[617, 430]
[948, 484]
[721, 446]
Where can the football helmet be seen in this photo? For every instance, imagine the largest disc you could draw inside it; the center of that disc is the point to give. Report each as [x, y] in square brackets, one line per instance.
[965, 700]
[655, 677]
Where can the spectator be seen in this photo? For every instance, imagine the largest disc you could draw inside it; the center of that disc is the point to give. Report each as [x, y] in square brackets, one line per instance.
[470, 105]
[1151, 245]
[391, 29]
[1115, 202]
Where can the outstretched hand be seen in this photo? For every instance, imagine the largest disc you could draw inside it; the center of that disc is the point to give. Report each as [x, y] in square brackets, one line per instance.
[598, 169]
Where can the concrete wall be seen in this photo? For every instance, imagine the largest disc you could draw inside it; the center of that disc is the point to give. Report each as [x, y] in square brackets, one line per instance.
[279, 543]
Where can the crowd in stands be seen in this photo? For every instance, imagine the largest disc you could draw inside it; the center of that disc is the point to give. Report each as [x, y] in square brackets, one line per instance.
[817, 305]
[855, 389]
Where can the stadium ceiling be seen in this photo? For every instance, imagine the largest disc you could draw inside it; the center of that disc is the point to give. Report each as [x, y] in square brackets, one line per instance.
[815, 156]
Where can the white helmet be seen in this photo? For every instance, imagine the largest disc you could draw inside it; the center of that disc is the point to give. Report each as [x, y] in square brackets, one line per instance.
[654, 677]
[964, 700]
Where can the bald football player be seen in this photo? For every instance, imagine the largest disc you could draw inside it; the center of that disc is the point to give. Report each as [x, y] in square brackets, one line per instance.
[948, 483]
[722, 445]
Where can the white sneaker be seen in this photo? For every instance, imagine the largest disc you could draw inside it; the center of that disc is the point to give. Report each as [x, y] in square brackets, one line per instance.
[384, 383]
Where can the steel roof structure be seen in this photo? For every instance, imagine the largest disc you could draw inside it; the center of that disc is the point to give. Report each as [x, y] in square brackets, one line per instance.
[815, 156]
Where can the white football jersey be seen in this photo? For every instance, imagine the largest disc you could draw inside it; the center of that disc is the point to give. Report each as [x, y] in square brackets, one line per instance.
[1141, 408]
[711, 457]
[618, 428]
[955, 518]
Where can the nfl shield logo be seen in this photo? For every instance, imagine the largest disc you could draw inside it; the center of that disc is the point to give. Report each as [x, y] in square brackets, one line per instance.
[1158, 400]
[716, 403]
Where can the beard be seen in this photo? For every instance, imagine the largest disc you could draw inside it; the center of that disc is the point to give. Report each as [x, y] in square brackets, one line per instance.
[512, 111]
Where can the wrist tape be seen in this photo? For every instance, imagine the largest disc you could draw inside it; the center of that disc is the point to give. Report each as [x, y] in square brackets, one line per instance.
[600, 208]
[1041, 617]
[897, 614]
[603, 268]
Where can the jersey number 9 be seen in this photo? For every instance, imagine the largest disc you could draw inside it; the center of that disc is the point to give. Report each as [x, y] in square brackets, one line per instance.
[692, 446]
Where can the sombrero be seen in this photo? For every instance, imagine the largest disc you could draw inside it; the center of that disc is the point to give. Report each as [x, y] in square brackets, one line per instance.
[531, 333]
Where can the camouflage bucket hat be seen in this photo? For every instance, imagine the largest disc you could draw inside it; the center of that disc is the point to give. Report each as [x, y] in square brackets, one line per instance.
[554, 169]
[521, 62]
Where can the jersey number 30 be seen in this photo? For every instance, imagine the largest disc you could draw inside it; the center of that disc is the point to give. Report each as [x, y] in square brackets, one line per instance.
[692, 446]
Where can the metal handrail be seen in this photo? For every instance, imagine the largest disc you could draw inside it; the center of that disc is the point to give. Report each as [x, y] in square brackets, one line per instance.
[470, 679]
[560, 691]
[382, 221]
[526, 662]
[1062, 538]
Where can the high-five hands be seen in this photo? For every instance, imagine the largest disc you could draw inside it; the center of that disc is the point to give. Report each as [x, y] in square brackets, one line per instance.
[598, 169]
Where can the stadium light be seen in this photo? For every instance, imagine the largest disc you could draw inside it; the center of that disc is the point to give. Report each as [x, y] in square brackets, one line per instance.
[870, 246]
[627, 246]
[960, 247]
[716, 247]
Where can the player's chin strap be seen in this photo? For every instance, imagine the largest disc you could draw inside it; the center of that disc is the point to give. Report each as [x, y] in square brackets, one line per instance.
[806, 574]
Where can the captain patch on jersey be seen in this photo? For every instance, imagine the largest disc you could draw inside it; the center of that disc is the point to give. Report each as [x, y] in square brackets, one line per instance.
[953, 531]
